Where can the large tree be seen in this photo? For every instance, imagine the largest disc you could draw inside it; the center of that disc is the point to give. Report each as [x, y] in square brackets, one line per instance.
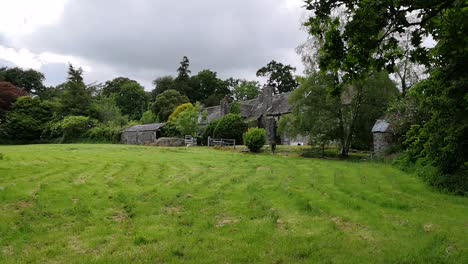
[28, 80]
[162, 84]
[280, 76]
[366, 37]
[207, 88]
[167, 102]
[8, 95]
[132, 100]
[76, 98]
[115, 85]
[346, 117]
[246, 90]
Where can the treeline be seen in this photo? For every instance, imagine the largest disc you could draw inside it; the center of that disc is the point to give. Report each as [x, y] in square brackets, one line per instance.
[75, 111]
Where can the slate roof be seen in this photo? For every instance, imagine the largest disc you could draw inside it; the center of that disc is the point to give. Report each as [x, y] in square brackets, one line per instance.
[148, 127]
[382, 126]
[254, 108]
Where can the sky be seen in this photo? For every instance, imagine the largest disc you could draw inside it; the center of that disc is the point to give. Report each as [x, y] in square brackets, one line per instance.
[146, 39]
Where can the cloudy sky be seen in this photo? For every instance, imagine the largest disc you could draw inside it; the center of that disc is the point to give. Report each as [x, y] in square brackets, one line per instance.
[144, 39]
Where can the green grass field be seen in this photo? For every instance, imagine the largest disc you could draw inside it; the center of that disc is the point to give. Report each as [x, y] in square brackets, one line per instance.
[130, 204]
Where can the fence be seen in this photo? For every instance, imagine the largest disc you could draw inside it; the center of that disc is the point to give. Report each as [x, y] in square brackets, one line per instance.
[212, 142]
[190, 141]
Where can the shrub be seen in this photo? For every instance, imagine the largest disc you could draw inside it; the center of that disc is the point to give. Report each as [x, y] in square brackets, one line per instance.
[231, 127]
[209, 131]
[74, 127]
[105, 133]
[149, 117]
[255, 139]
[235, 108]
[181, 108]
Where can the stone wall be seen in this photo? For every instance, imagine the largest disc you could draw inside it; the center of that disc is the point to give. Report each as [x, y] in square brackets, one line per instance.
[382, 141]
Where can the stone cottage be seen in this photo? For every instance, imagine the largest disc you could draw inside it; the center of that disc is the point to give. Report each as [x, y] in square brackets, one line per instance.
[264, 111]
[142, 134]
[383, 137]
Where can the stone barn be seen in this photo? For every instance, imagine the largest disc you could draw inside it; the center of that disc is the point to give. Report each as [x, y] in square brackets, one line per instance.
[142, 134]
[383, 137]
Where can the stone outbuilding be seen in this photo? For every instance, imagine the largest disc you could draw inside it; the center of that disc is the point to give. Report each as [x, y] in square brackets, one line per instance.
[383, 137]
[142, 134]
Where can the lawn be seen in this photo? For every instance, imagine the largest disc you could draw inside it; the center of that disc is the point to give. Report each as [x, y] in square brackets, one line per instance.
[131, 204]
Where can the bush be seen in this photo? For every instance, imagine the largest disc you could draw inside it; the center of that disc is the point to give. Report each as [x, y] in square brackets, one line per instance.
[105, 133]
[181, 108]
[149, 117]
[74, 127]
[255, 139]
[231, 127]
[209, 131]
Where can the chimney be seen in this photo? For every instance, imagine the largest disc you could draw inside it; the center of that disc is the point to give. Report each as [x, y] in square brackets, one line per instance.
[267, 96]
[224, 105]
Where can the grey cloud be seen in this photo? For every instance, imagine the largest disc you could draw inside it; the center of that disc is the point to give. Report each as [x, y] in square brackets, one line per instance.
[153, 35]
[56, 73]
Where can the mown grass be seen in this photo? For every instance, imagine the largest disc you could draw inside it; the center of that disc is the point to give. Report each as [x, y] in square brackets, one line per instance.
[130, 204]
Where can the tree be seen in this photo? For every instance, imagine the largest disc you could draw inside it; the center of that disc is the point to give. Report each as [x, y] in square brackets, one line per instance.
[346, 117]
[105, 110]
[75, 75]
[8, 95]
[132, 100]
[76, 98]
[28, 80]
[246, 90]
[207, 88]
[161, 85]
[115, 85]
[182, 81]
[369, 41]
[149, 117]
[186, 121]
[280, 76]
[28, 119]
[167, 102]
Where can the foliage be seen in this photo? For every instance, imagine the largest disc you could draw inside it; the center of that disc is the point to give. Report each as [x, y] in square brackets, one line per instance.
[27, 120]
[186, 120]
[207, 88]
[114, 86]
[161, 85]
[76, 98]
[230, 126]
[346, 115]
[235, 108]
[280, 76]
[167, 102]
[255, 139]
[209, 131]
[28, 80]
[132, 100]
[106, 110]
[179, 109]
[149, 117]
[369, 40]
[246, 90]
[8, 95]
[74, 127]
[270, 200]
[109, 133]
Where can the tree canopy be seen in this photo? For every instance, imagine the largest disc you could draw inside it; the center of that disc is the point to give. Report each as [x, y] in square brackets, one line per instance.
[280, 76]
